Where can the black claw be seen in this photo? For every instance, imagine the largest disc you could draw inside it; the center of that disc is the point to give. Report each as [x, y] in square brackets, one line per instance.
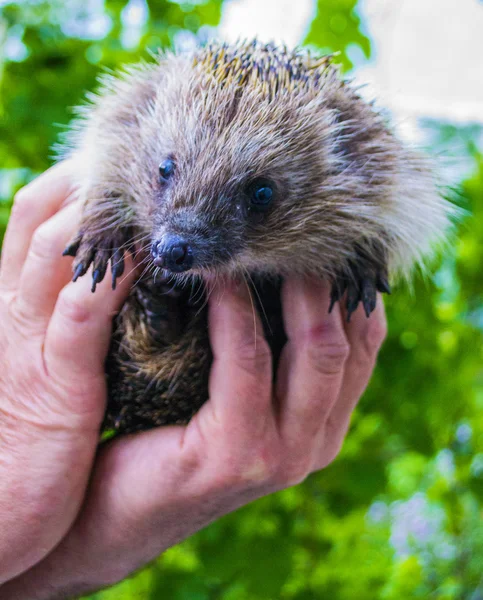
[353, 299]
[98, 251]
[367, 275]
[117, 266]
[383, 285]
[369, 297]
[99, 268]
[97, 277]
[71, 249]
[369, 305]
[79, 271]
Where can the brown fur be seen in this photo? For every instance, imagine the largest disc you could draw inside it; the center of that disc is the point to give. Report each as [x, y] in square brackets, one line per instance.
[351, 201]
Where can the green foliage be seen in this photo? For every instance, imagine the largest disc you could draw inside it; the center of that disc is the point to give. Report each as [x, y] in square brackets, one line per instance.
[399, 514]
[337, 28]
[56, 52]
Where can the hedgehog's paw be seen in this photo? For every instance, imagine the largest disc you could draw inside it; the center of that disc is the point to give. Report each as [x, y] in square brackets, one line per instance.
[98, 249]
[360, 284]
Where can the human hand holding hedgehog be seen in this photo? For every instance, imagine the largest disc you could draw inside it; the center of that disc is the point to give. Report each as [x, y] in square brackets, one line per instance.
[242, 176]
[148, 491]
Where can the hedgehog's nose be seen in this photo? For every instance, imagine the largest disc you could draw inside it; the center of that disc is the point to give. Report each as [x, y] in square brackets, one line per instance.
[172, 253]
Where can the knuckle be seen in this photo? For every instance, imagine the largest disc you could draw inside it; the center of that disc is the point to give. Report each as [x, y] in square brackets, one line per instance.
[44, 245]
[327, 356]
[253, 354]
[22, 203]
[71, 307]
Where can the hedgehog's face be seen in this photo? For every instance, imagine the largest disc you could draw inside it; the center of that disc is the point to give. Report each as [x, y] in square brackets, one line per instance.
[190, 238]
[234, 183]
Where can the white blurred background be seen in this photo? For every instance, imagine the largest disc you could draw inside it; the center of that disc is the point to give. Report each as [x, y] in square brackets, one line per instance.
[427, 55]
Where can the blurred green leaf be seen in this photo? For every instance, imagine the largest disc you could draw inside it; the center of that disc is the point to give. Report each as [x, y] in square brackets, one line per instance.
[337, 28]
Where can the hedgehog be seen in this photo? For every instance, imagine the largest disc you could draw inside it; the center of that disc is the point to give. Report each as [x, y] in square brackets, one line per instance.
[246, 161]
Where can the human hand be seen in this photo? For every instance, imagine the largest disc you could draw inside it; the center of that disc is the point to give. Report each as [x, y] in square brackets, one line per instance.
[53, 342]
[151, 490]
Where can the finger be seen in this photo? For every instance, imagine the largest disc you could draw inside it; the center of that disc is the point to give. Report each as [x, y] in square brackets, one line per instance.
[79, 331]
[45, 271]
[33, 205]
[241, 373]
[365, 336]
[312, 364]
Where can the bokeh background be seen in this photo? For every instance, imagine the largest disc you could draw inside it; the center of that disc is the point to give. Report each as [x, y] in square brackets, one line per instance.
[400, 513]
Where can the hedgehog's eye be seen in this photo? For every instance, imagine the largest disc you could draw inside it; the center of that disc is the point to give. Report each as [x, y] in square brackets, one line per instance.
[261, 194]
[166, 169]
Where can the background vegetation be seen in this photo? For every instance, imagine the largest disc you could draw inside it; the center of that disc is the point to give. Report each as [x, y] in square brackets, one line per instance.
[399, 515]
